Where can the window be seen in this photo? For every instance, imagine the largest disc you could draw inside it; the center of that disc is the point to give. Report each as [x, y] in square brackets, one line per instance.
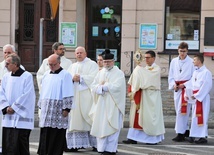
[182, 23]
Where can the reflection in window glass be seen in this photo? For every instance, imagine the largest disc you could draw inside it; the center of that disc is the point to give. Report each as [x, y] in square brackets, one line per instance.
[182, 23]
[106, 14]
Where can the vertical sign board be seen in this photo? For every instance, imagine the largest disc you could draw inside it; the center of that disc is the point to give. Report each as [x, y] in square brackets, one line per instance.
[148, 36]
[68, 34]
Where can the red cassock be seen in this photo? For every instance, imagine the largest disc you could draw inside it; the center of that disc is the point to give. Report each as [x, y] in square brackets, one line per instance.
[137, 99]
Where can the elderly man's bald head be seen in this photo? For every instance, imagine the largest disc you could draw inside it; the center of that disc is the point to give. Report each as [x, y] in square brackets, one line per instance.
[80, 53]
[54, 62]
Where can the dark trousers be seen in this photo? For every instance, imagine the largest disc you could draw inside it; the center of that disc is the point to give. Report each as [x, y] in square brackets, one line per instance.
[15, 141]
[52, 141]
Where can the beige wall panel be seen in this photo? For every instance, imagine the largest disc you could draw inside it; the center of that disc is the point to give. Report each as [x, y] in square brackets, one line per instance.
[129, 4]
[4, 15]
[70, 4]
[128, 30]
[202, 32]
[129, 17]
[160, 45]
[4, 29]
[202, 45]
[150, 4]
[5, 4]
[206, 14]
[5, 39]
[128, 44]
[207, 4]
[69, 16]
[150, 16]
[209, 64]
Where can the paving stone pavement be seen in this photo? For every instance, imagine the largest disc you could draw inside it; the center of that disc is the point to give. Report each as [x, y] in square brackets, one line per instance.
[169, 121]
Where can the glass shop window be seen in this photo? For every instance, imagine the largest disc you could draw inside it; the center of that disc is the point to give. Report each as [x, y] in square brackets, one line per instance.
[182, 23]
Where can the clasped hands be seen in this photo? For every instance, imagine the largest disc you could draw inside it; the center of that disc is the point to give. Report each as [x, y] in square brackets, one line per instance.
[177, 87]
[10, 110]
[102, 88]
[76, 78]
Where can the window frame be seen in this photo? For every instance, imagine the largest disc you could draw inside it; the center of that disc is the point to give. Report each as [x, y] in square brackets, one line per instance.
[174, 50]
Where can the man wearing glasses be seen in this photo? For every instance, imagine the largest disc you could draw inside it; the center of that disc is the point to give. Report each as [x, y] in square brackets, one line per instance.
[181, 70]
[17, 103]
[55, 102]
[7, 50]
[59, 49]
[146, 114]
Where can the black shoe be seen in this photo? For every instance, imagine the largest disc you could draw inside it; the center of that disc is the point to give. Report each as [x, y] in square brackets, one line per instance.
[71, 150]
[151, 143]
[190, 139]
[94, 149]
[186, 134]
[179, 138]
[129, 141]
[201, 141]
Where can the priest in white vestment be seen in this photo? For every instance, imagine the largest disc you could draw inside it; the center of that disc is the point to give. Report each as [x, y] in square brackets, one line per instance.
[180, 71]
[7, 50]
[55, 102]
[83, 73]
[17, 103]
[199, 87]
[146, 114]
[59, 49]
[109, 92]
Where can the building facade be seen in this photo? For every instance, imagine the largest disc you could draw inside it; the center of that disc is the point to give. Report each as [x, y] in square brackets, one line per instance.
[120, 25]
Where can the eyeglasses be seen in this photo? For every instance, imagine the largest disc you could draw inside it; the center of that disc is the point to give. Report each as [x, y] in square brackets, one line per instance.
[107, 61]
[147, 57]
[62, 49]
[52, 65]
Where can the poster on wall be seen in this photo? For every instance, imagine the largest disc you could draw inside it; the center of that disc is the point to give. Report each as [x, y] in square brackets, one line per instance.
[68, 34]
[148, 36]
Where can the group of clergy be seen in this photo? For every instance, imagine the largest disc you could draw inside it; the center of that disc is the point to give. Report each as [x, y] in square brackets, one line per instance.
[95, 104]
[82, 105]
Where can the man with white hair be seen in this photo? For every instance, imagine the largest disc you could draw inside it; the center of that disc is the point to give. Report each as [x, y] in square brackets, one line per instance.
[107, 112]
[17, 103]
[7, 50]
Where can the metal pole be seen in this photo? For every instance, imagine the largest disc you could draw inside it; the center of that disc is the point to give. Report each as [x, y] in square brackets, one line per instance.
[170, 57]
[40, 40]
[131, 61]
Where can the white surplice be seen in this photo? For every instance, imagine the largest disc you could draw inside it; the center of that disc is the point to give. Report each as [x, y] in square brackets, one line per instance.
[150, 112]
[57, 94]
[180, 70]
[108, 108]
[80, 122]
[65, 64]
[201, 81]
[18, 92]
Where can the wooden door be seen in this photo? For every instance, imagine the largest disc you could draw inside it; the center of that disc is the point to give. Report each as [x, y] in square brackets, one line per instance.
[30, 12]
